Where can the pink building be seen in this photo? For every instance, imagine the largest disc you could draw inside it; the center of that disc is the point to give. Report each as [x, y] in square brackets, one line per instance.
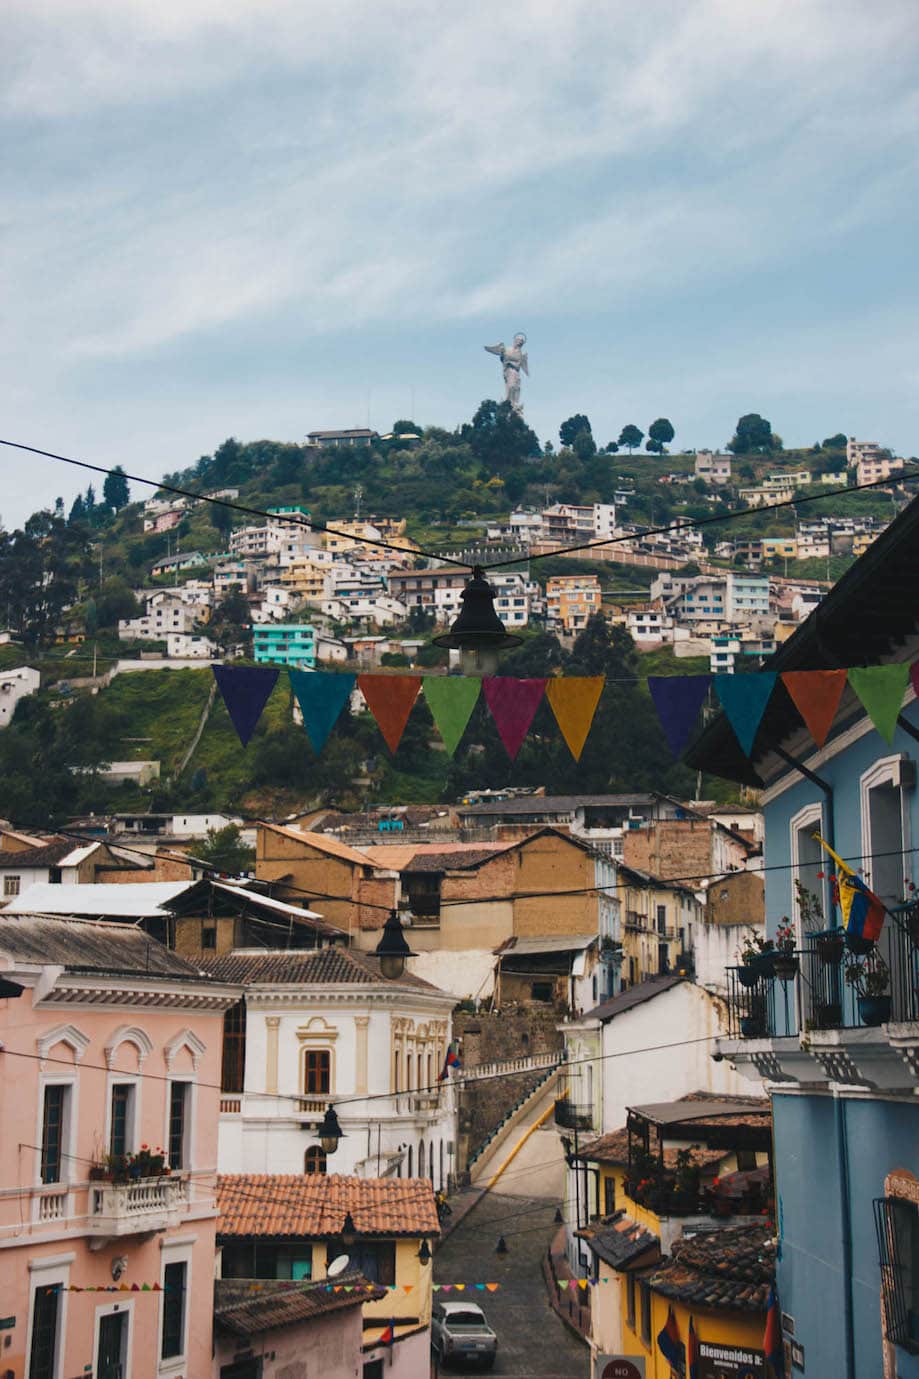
[112, 1049]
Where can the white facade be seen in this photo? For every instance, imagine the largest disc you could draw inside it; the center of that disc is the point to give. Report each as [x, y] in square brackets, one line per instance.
[386, 1045]
[162, 616]
[15, 685]
[746, 597]
[186, 646]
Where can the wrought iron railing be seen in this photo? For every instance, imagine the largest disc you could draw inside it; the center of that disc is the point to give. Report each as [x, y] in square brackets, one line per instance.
[570, 1116]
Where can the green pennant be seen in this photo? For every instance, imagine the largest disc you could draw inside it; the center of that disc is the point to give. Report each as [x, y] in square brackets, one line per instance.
[881, 690]
[451, 699]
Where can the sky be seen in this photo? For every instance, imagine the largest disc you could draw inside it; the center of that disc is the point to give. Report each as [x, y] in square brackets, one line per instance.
[263, 217]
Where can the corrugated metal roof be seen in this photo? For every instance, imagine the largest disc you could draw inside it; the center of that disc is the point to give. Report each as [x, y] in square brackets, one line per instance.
[563, 943]
[129, 900]
[551, 804]
[677, 1112]
[82, 945]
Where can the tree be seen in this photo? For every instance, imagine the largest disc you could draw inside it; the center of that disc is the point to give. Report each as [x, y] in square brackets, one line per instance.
[231, 622]
[631, 437]
[655, 447]
[661, 432]
[837, 442]
[405, 427]
[224, 849]
[573, 427]
[584, 445]
[77, 511]
[115, 491]
[221, 518]
[499, 437]
[752, 436]
[115, 601]
[612, 448]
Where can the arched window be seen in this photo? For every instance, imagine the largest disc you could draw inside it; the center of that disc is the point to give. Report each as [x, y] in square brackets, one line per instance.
[410, 1173]
[317, 1070]
[429, 1080]
[408, 1072]
[314, 1159]
[421, 1160]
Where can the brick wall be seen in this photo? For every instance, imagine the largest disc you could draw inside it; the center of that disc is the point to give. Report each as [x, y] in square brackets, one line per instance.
[670, 848]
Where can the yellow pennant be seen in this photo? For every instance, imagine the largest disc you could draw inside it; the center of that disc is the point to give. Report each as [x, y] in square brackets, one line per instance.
[574, 699]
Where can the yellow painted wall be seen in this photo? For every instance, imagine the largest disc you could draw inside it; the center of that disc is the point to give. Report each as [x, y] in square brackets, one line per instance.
[718, 1328]
[410, 1273]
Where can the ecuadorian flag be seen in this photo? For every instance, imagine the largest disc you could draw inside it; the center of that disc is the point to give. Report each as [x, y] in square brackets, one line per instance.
[668, 1340]
[862, 911]
[452, 1060]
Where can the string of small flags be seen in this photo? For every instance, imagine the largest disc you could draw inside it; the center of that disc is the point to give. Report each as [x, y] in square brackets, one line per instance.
[282, 1285]
[573, 699]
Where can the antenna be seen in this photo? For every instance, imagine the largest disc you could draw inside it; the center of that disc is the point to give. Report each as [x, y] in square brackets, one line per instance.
[358, 495]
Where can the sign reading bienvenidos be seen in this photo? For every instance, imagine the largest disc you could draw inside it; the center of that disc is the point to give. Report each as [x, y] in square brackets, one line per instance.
[730, 1362]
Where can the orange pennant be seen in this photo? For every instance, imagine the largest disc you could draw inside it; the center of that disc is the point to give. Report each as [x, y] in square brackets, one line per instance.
[492, 1287]
[573, 700]
[816, 694]
[390, 699]
[408, 1287]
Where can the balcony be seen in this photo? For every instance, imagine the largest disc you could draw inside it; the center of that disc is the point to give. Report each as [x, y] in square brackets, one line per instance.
[834, 1016]
[570, 1116]
[136, 1208]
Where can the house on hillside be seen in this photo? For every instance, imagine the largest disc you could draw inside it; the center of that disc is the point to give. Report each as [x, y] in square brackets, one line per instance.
[274, 1226]
[112, 1046]
[459, 898]
[838, 1039]
[320, 1029]
[212, 917]
[59, 862]
[15, 685]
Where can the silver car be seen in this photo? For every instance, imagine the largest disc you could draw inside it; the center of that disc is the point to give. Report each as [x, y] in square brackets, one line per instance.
[459, 1331]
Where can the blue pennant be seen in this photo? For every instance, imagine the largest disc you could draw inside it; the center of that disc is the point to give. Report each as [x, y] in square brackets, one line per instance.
[321, 699]
[744, 699]
[678, 699]
[245, 691]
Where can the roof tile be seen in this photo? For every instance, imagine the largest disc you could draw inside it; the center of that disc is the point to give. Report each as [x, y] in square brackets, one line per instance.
[296, 1207]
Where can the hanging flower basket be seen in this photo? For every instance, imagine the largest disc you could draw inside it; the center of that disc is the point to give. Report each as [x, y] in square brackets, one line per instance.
[764, 964]
[829, 1014]
[785, 966]
[859, 946]
[752, 1026]
[747, 975]
[874, 1010]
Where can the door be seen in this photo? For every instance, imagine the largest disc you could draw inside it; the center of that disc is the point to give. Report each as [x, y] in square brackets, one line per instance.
[250, 1368]
[42, 1362]
[113, 1336]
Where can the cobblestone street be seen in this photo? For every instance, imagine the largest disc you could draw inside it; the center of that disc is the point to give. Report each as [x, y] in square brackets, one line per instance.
[532, 1342]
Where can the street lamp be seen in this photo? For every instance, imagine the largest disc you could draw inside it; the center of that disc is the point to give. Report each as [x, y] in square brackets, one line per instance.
[392, 949]
[501, 1247]
[348, 1231]
[330, 1132]
[478, 634]
[424, 1254]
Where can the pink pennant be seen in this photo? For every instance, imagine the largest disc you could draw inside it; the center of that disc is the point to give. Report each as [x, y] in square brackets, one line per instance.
[513, 704]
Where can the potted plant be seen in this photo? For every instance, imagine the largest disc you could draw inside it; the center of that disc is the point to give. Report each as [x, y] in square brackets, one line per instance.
[686, 1183]
[753, 1024]
[128, 1168]
[872, 984]
[756, 959]
[830, 944]
[785, 963]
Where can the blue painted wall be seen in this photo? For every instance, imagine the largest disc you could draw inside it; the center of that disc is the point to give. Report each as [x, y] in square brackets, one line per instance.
[880, 1136]
[843, 773]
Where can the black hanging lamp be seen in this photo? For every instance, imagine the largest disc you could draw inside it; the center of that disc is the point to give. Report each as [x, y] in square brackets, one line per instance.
[477, 633]
[330, 1132]
[424, 1254]
[392, 949]
[348, 1231]
[501, 1247]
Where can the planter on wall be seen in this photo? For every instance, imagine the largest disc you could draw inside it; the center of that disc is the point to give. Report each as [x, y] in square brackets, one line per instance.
[874, 1010]
[830, 946]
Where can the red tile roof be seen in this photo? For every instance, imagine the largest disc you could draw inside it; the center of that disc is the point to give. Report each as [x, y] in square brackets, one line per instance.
[304, 967]
[731, 1268]
[314, 1207]
[240, 1310]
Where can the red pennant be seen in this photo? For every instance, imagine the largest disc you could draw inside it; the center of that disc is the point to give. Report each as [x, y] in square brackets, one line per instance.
[513, 704]
[816, 695]
[390, 699]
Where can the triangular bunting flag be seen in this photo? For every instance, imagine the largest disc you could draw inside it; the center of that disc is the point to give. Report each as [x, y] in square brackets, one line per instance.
[321, 699]
[881, 690]
[492, 1287]
[245, 691]
[481, 1287]
[816, 694]
[408, 1287]
[390, 699]
[744, 699]
[574, 699]
[513, 704]
[678, 699]
[451, 699]
[459, 1287]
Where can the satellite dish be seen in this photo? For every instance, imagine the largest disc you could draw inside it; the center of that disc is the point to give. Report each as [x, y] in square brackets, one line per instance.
[338, 1266]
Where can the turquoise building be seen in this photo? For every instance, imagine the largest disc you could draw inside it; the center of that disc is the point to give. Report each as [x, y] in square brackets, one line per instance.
[285, 644]
[840, 1054]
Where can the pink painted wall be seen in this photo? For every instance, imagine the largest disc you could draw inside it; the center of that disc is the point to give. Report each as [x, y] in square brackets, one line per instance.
[28, 1242]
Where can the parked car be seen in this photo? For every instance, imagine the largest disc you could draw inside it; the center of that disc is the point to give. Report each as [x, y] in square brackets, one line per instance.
[459, 1331]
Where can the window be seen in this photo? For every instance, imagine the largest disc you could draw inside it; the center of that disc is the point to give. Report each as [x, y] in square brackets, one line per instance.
[208, 936]
[542, 991]
[11, 885]
[234, 1048]
[121, 1131]
[45, 1317]
[112, 1353]
[897, 1222]
[630, 1300]
[178, 1124]
[609, 1196]
[317, 1071]
[375, 1259]
[807, 856]
[175, 1277]
[645, 1294]
[53, 1130]
[662, 919]
[422, 891]
[314, 1160]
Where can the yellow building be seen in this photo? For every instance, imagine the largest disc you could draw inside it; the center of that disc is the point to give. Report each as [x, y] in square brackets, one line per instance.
[306, 578]
[571, 600]
[664, 1183]
[348, 534]
[656, 921]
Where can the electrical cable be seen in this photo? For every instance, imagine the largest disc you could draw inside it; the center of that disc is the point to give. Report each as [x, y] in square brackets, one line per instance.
[687, 524]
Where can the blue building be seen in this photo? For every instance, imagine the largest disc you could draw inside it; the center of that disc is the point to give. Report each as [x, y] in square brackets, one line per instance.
[285, 644]
[845, 1090]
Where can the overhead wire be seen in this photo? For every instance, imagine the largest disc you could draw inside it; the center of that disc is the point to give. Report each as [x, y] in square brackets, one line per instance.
[683, 524]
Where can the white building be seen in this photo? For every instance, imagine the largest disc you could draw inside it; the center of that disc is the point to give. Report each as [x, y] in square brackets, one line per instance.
[15, 685]
[746, 597]
[323, 1028]
[516, 597]
[164, 614]
[190, 646]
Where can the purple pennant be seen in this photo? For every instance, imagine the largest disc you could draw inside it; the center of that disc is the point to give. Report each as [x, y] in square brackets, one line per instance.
[513, 704]
[245, 691]
[678, 699]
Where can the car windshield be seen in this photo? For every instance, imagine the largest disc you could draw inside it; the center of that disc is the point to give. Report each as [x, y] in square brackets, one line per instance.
[463, 1321]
